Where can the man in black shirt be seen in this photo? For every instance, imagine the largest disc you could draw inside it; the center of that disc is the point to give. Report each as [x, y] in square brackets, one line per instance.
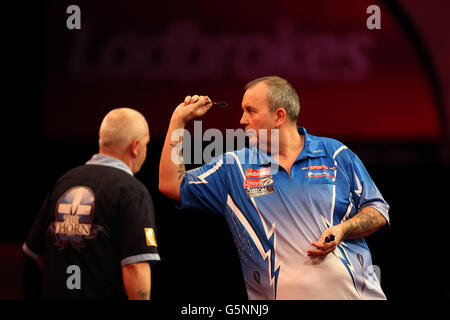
[94, 236]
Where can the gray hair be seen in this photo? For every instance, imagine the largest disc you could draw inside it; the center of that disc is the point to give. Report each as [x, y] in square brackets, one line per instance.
[120, 126]
[280, 94]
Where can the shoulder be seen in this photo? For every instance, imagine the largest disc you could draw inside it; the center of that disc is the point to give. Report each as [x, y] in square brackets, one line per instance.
[132, 188]
[244, 156]
[329, 144]
[105, 173]
[240, 155]
[221, 165]
[108, 178]
[230, 157]
[331, 147]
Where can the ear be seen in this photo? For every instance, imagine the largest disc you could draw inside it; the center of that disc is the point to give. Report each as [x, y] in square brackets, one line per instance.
[280, 117]
[134, 147]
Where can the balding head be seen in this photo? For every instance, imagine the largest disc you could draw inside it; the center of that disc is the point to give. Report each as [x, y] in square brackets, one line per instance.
[119, 132]
[120, 127]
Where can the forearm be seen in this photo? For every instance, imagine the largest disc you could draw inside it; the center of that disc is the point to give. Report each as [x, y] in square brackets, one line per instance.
[362, 224]
[137, 280]
[171, 167]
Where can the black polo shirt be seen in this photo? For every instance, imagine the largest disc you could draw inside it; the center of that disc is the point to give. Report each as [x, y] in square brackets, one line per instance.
[95, 220]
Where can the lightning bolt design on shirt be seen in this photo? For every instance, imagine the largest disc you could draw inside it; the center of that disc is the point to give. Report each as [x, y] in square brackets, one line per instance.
[342, 255]
[267, 249]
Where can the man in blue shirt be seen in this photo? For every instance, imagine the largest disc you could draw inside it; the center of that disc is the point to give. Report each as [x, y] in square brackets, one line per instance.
[298, 206]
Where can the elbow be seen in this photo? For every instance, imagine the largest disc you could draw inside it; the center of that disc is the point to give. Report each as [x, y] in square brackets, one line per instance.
[384, 222]
[171, 191]
[163, 186]
[380, 221]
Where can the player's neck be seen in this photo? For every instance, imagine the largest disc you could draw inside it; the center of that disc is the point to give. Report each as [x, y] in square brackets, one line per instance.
[290, 146]
[291, 142]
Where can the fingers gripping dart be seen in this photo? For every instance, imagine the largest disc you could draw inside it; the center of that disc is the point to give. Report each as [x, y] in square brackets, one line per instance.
[330, 238]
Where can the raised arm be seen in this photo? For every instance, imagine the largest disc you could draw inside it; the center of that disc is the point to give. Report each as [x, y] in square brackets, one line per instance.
[171, 166]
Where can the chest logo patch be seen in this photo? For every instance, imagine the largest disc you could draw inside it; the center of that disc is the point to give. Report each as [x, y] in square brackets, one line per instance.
[257, 173]
[258, 182]
[73, 218]
[320, 171]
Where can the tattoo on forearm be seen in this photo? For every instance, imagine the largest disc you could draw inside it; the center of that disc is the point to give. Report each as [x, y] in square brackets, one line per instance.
[181, 171]
[173, 145]
[181, 168]
[365, 220]
[142, 294]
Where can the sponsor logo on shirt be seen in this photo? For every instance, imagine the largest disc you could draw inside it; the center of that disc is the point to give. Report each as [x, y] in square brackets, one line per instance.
[313, 171]
[150, 237]
[319, 167]
[257, 173]
[322, 174]
[256, 192]
[258, 182]
[73, 218]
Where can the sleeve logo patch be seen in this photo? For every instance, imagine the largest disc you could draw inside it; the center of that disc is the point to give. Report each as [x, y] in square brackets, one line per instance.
[150, 237]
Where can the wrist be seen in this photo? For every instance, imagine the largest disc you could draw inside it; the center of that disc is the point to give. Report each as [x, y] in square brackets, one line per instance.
[340, 230]
[177, 122]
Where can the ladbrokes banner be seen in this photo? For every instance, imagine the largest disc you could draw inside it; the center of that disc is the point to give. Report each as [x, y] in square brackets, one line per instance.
[353, 82]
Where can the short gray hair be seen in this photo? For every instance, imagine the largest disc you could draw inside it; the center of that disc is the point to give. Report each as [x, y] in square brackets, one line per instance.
[281, 94]
[120, 126]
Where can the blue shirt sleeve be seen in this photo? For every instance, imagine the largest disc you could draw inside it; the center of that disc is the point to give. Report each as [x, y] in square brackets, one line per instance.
[205, 188]
[364, 191]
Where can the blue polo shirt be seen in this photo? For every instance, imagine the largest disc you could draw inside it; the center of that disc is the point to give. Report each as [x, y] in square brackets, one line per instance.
[275, 216]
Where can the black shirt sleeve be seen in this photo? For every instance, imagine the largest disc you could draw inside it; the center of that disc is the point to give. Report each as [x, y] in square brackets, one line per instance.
[137, 228]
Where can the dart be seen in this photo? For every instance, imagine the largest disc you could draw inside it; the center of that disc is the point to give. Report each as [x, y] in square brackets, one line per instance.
[221, 104]
[330, 238]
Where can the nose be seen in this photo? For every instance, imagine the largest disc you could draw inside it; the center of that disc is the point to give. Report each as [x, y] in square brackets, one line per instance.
[243, 120]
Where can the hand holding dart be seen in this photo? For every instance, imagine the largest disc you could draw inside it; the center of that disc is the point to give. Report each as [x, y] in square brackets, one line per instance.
[325, 247]
[330, 238]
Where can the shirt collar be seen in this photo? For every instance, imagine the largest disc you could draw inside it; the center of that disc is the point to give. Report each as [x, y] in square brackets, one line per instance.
[312, 148]
[104, 160]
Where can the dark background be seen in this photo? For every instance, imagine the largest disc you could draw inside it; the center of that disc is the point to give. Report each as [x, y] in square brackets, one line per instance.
[384, 93]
